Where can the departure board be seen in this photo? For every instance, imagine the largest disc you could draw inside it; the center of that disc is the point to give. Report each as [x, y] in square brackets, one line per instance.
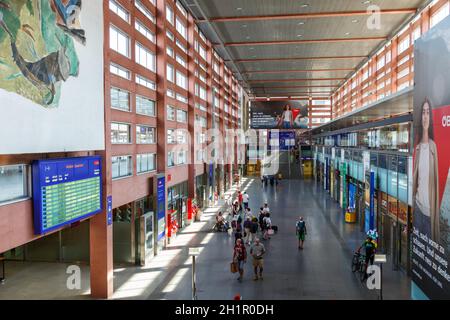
[65, 191]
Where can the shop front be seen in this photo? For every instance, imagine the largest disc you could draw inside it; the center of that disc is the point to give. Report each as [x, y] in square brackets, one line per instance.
[201, 190]
[133, 238]
[177, 214]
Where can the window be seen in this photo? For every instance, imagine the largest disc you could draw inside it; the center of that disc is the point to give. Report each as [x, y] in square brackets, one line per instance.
[119, 10]
[182, 157]
[120, 133]
[170, 159]
[181, 46]
[170, 73]
[170, 35]
[13, 182]
[119, 41]
[181, 28]
[145, 162]
[181, 80]
[171, 138]
[201, 121]
[170, 93]
[145, 58]
[145, 106]
[199, 155]
[144, 31]
[121, 167]
[403, 45]
[181, 8]
[202, 52]
[216, 68]
[182, 116]
[120, 99]
[181, 61]
[439, 15]
[145, 82]
[182, 137]
[169, 14]
[144, 10]
[202, 93]
[169, 52]
[182, 98]
[202, 36]
[171, 113]
[119, 71]
[145, 135]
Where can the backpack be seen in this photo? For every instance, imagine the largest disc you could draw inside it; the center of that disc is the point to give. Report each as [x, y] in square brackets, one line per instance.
[301, 226]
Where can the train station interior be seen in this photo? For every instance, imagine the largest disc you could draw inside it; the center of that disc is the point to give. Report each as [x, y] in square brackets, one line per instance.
[220, 150]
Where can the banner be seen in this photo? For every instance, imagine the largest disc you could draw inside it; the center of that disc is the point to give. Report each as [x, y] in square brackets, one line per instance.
[431, 182]
[279, 114]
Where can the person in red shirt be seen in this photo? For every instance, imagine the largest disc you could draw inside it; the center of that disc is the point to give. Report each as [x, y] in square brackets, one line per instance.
[240, 198]
[240, 257]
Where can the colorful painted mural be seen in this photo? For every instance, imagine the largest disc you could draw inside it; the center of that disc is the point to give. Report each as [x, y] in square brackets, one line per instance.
[37, 51]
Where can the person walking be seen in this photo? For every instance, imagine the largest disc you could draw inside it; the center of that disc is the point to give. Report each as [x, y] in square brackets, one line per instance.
[248, 213]
[238, 232]
[247, 226]
[240, 257]
[267, 222]
[266, 208]
[301, 232]
[245, 199]
[240, 198]
[253, 229]
[261, 217]
[257, 252]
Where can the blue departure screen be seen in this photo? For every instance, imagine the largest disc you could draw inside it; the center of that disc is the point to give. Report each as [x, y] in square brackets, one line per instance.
[65, 191]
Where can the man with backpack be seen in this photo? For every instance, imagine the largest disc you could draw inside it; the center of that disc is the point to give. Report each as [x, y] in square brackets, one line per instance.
[301, 232]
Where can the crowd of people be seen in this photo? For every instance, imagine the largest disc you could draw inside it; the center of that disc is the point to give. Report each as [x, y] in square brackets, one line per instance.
[250, 230]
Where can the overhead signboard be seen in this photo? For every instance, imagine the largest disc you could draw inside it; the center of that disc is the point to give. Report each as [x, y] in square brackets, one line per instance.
[431, 181]
[289, 114]
[65, 191]
[282, 140]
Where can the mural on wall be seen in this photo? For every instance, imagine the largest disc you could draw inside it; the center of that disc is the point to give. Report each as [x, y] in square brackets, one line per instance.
[37, 51]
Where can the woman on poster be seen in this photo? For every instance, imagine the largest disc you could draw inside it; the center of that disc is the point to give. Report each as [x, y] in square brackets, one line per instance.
[426, 178]
[288, 118]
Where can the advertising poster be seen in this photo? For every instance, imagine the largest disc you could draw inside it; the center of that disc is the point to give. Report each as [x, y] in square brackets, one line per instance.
[279, 114]
[431, 162]
[51, 84]
[161, 206]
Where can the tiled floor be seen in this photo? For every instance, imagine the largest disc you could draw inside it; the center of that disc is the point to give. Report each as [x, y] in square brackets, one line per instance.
[321, 271]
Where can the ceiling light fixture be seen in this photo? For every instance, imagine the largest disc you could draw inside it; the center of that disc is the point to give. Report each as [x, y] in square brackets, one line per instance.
[355, 21]
[239, 9]
[305, 5]
[301, 23]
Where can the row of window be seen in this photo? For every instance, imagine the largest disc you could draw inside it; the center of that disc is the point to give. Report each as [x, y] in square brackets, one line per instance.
[176, 158]
[122, 166]
[120, 42]
[383, 58]
[120, 99]
[121, 134]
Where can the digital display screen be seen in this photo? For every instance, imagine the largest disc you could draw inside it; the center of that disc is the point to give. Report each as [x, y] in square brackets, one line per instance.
[65, 191]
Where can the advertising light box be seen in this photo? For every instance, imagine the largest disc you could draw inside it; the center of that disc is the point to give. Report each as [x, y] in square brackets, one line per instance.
[65, 191]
